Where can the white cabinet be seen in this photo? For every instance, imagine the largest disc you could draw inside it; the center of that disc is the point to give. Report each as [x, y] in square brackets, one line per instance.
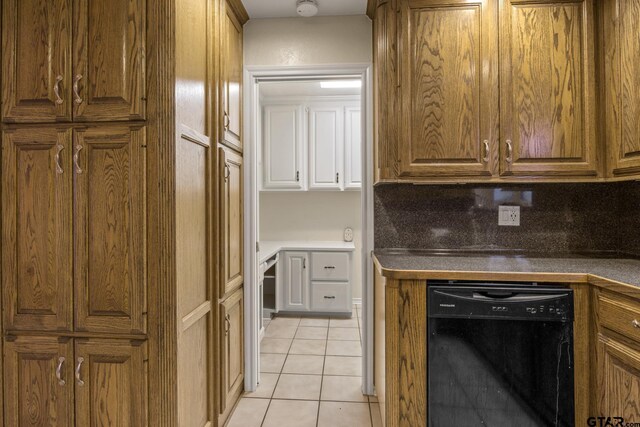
[352, 148]
[296, 281]
[283, 148]
[326, 136]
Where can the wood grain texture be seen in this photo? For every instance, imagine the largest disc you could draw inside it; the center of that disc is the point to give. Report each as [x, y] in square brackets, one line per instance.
[109, 54]
[379, 328]
[448, 88]
[548, 89]
[231, 78]
[230, 179]
[36, 49]
[37, 254]
[621, 80]
[110, 223]
[34, 396]
[232, 352]
[114, 392]
[583, 340]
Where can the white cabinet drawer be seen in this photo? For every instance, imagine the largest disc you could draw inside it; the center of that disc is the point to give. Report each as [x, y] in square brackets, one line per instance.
[328, 296]
[330, 266]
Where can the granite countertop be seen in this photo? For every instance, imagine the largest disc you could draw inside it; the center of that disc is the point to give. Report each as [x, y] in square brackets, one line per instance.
[571, 268]
[269, 248]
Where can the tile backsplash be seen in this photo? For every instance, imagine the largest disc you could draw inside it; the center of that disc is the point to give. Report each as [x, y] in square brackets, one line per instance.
[554, 217]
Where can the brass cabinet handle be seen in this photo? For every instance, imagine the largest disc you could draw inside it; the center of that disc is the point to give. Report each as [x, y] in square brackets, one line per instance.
[227, 172]
[76, 161]
[636, 324]
[78, 367]
[56, 90]
[59, 149]
[486, 151]
[76, 91]
[227, 121]
[59, 371]
[227, 324]
[509, 151]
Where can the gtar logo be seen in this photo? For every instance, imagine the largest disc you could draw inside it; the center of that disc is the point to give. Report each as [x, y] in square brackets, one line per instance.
[605, 422]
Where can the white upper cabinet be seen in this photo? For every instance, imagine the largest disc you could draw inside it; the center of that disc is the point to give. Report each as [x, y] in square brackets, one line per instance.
[283, 149]
[352, 148]
[326, 142]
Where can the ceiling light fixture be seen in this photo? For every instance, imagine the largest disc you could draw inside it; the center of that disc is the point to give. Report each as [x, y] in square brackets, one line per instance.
[307, 8]
[341, 84]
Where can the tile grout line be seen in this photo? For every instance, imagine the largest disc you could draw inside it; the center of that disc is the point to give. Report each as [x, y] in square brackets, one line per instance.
[324, 362]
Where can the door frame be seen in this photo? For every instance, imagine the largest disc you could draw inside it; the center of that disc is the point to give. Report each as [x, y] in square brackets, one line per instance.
[253, 75]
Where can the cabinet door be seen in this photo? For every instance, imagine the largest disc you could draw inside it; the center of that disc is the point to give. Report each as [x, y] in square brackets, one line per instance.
[110, 383]
[353, 148]
[231, 78]
[622, 80]
[296, 281]
[36, 60]
[38, 382]
[109, 60]
[283, 150]
[110, 229]
[232, 349]
[326, 142]
[231, 220]
[618, 380]
[547, 88]
[37, 285]
[448, 88]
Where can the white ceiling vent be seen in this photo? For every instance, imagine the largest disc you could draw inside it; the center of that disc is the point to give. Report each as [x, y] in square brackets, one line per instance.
[307, 8]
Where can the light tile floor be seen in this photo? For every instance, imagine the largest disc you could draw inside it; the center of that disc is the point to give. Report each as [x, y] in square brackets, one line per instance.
[311, 376]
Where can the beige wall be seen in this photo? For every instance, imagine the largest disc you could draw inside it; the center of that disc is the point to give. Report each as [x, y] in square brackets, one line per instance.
[314, 215]
[310, 41]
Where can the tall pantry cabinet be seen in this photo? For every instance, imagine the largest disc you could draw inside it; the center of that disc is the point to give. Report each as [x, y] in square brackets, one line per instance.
[111, 118]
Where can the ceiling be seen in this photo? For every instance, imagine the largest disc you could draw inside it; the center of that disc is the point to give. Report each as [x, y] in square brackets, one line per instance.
[308, 88]
[287, 8]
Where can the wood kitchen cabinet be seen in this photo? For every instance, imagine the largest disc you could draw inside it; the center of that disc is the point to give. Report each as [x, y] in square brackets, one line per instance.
[231, 79]
[547, 85]
[621, 80]
[231, 220]
[66, 62]
[448, 88]
[232, 350]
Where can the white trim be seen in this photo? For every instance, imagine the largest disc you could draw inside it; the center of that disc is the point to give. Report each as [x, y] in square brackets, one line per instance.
[357, 301]
[252, 76]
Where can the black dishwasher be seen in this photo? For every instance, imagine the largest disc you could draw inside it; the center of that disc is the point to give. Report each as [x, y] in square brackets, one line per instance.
[500, 355]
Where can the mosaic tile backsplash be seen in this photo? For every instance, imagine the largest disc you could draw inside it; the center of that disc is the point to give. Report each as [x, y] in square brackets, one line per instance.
[555, 218]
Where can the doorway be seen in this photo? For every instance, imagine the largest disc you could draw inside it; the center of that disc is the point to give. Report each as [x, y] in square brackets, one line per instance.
[287, 189]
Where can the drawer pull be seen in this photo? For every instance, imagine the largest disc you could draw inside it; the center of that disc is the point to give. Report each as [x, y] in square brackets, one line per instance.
[329, 267]
[59, 371]
[636, 324]
[78, 367]
[329, 297]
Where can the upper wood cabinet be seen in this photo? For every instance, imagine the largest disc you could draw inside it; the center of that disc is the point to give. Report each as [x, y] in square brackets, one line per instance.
[37, 286]
[38, 382]
[231, 79]
[622, 80]
[547, 85]
[283, 148]
[232, 350]
[65, 60]
[326, 142]
[231, 221]
[110, 224]
[448, 78]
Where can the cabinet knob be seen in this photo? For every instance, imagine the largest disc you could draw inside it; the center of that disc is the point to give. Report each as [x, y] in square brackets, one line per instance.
[636, 324]
[329, 267]
[59, 371]
[329, 297]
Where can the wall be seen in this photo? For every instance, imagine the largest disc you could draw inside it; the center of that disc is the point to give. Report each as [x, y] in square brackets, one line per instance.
[314, 215]
[310, 41]
[554, 217]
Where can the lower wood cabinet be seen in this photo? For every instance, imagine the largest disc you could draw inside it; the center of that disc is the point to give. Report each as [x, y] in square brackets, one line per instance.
[57, 381]
[231, 351]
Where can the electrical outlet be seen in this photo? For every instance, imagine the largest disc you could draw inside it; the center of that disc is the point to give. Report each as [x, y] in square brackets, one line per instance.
[509, 216]
[348, 234]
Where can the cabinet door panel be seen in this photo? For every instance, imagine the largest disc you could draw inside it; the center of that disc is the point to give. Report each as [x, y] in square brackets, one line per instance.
[110, 218]
[36, 230]
[36, 60]
[618, 380]
[232, 349]
[326, 141]
[353, 148]
[622, 78]
[34, 396]
[296, 281]
[283, 147]
[231, 209]
[112, 385]
[109, 59]
[547, 87]
[231, 79]
[449, 88]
